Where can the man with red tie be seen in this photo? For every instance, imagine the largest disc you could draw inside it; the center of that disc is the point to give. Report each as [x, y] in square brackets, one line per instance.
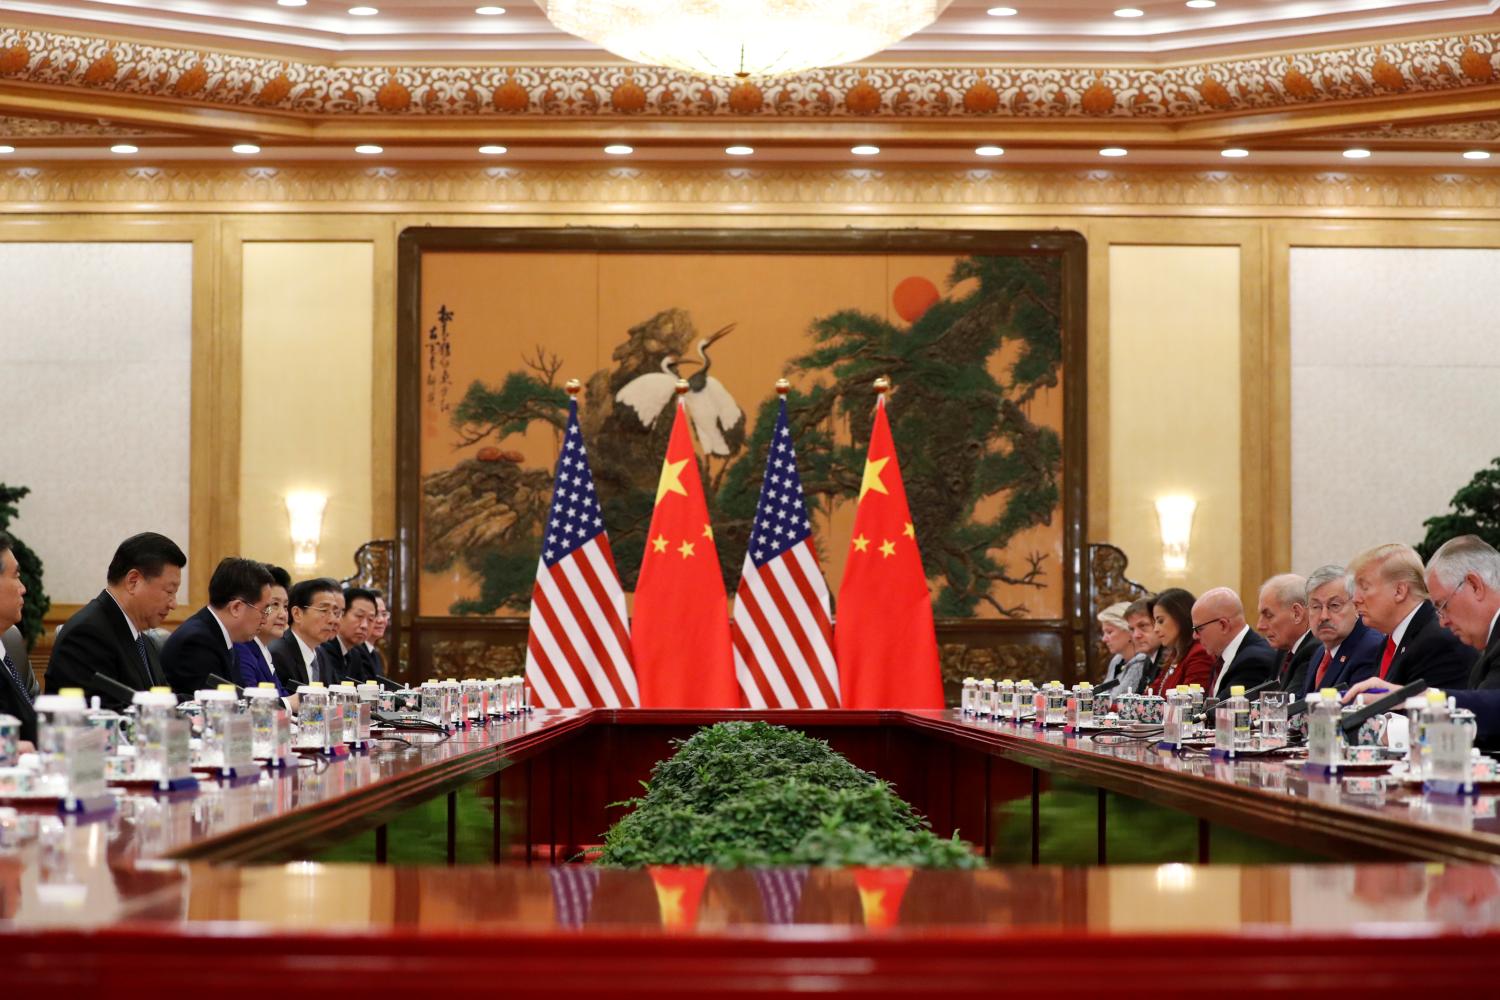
[1351, 649]
[1391, 595]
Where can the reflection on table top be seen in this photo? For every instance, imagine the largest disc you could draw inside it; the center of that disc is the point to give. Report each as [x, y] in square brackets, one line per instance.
[1413, 900]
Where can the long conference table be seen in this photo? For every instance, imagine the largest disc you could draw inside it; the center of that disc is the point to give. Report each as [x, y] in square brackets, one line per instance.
[221, 889]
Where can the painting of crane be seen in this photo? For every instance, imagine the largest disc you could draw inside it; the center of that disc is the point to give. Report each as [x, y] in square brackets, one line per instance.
[715, 415]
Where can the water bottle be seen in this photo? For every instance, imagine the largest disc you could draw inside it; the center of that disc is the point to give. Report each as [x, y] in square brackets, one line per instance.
[986, 699]
[1324, 734]
[1005, 700]
[1025, 699]
[1435, 711]
[966, 699]
[1174, 723]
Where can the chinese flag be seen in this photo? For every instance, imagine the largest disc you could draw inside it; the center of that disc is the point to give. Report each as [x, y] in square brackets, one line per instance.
[883, 638]
[680, 634]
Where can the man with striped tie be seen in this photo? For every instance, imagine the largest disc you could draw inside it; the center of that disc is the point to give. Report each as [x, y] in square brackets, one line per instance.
[108, 634]
[15, 695]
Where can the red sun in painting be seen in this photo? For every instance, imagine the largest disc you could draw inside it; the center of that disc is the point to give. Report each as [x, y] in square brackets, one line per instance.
[913, 297]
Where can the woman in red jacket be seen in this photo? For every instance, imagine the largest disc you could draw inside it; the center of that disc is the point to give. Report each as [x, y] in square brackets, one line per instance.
[1186, 662]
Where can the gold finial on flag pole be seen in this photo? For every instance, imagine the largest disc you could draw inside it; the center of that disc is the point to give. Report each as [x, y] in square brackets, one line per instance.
[573, 387]
[882, 385]
[783, 387]
[682, 387]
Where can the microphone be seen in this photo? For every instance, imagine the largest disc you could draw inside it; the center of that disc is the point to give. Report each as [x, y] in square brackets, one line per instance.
[216, 679]
[390, 685]
[116, 689]
[1210, 703]
[1296, 708]
[1385, 703]
[1107, 686]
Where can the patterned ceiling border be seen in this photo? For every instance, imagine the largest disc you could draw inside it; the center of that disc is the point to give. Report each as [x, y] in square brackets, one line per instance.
[1174, 93]
[967, 197]
[16, 127]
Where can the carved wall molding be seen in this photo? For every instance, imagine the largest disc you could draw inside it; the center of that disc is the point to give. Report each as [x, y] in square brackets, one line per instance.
[19, 127]
[628, 191]
[1262, 83]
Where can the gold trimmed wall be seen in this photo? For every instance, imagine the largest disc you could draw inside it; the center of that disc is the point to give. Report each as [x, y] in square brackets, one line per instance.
[1256, 214]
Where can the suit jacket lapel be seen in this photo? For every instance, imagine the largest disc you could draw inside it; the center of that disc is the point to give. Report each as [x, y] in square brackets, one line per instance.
[121, 628]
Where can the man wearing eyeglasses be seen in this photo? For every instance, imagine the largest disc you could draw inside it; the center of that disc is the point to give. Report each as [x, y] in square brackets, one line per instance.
[238, 595]
[1243, 657]
[298, 658]
[1463, 579]
[1351, 649]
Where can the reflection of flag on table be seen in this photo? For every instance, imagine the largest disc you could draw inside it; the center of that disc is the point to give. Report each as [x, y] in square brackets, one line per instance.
[573, 888]
[780, 892]
[578, 652]
[887, 648]
[783, 642]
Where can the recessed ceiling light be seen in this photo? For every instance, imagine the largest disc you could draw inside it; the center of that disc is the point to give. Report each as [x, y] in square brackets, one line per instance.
[364, 11]
[493, 150]
[1234, 153]
[739, 150]
[1356, 154]
[1001, 12]
[865, 150]
[989, 151]
[7, 149]
[619, 150]
[1477, 154]
[1112, 151]
[368, 150]
[489, 11]
[1202, 4]
[246, 148]
[123, 148]
[291, 3]
[1130, 12]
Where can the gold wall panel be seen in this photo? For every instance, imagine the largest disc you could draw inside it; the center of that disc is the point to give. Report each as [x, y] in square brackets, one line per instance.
[307, 351]
[1174, 406]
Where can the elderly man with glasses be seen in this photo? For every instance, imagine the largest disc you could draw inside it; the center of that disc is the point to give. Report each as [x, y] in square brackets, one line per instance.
[1351, 649]
[239, 594]
[298, 656]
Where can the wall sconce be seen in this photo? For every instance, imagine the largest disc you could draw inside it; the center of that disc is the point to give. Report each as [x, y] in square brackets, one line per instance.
[305, 511]
[1175, 515]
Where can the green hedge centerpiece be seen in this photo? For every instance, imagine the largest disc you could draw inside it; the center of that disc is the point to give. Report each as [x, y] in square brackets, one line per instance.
[750, 794]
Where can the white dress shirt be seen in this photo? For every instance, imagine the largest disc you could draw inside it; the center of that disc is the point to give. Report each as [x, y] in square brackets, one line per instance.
[1227, 657]
[309, 659]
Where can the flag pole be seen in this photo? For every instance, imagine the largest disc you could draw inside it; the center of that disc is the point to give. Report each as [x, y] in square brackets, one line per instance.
[882, 387]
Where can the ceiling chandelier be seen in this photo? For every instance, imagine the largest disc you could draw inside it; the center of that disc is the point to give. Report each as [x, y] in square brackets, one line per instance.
[744, 37]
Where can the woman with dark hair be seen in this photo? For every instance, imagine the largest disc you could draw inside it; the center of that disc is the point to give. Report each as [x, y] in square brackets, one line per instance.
[1184, 659]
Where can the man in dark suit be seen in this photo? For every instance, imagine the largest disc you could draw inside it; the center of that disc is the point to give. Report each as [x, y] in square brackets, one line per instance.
[377, 632]
[238, 595]
[1351, 649]
[14, 646]
[15, 693]
[1283, 620]
[108, 634]
[1390, 593]
[298, 656]
[1244, 658]
[1463, 577]
[348, 645]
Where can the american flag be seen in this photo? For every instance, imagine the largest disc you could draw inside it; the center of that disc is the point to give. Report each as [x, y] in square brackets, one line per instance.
[578, 652]
[783, 639]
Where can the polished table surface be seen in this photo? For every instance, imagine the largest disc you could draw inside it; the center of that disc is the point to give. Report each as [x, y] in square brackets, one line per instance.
[85, 903]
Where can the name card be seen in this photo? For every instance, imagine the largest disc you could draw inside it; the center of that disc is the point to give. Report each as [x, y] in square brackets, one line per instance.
[83, 753]
[238, 742]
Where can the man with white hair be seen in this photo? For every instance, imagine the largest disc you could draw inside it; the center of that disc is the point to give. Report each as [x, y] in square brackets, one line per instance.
[1351, 649]
[1283, 620]
[1243, 657]
[1463, 578]
[1390, 594]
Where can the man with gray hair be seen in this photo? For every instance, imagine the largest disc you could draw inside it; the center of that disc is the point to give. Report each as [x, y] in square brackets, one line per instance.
[1283, 620]
[1351, 649]
[1463, 578]
[1243, 656]
[1390, 594]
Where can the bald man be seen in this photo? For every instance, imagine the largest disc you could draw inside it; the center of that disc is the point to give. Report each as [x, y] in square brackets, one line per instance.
[1243, 656]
